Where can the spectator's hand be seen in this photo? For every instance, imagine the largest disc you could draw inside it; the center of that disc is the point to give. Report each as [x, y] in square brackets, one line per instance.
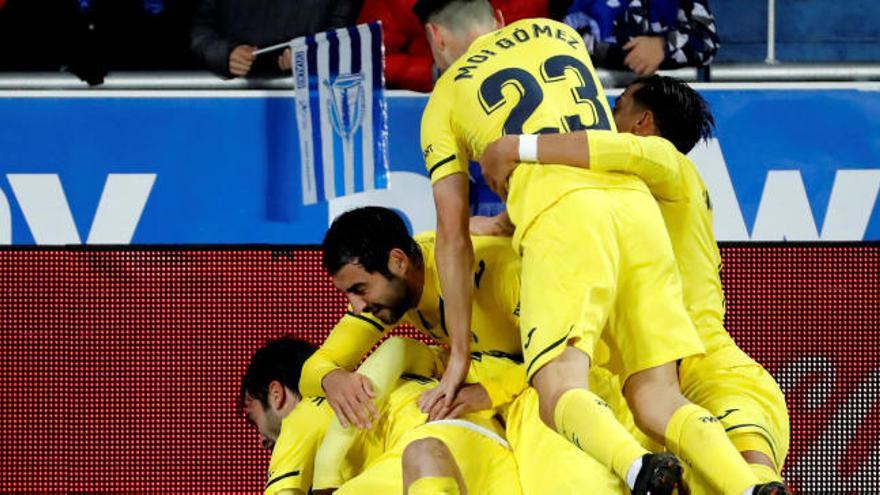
[284, 60]
[470, 398]
[351, 397]
[241, 59]
[646, 53]
[498, 225]
[498, 161]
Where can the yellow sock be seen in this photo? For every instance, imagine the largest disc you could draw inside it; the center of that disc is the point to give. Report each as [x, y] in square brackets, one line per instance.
[586, 421]
[765, 473]
[434, 485]
[698, 439]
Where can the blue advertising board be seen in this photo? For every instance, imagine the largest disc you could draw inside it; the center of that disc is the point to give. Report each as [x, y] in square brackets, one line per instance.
[790, 162]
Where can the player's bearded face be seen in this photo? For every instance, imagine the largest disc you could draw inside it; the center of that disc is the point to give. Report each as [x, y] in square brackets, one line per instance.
[391, 302]
[265, 420]
[385, 297]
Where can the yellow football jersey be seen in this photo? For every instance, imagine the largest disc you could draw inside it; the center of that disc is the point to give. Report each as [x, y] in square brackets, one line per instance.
[533, 76]
[494, 320]
[292, 465]
[398, 416]
[687, 211]
[293, 457]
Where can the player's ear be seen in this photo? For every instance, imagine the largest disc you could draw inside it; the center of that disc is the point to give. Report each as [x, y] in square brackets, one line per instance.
[397, 262]
[499, 19]
[276, 394]
[435, 35]
[645, 125]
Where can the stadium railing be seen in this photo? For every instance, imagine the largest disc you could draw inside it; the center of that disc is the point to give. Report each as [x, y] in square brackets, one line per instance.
[758, 72]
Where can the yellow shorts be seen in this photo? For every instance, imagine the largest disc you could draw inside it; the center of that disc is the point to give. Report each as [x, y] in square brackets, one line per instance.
[547, 462]
[602, 257]
[487, 465]
[745, 397]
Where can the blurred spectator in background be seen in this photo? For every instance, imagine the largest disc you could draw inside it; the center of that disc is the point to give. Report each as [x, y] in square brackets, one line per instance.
[408, 61]
[142, 34]
[91, 37]
[226, 33]
[646, 35]
[50, 36]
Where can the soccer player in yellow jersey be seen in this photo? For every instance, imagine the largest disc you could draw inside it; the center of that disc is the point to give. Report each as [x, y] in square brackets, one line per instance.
[272, 404]
[595, 253]
[358, 247]
[727, 382]
[390, 279]
[294, 426]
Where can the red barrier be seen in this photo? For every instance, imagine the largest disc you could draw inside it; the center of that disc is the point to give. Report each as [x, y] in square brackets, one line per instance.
[121, 367]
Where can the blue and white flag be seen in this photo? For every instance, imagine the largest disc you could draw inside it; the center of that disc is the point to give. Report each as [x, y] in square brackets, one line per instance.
[341, 112]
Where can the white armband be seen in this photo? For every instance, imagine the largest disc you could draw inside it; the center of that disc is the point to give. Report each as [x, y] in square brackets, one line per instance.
[528, 148]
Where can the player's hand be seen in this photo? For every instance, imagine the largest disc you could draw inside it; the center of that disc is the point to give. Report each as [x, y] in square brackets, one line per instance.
[646, 53]
[284, 60]
[437, 402]
[498, 225]
[351, 397]
[469, 399]
[498, 161]
[241, 59]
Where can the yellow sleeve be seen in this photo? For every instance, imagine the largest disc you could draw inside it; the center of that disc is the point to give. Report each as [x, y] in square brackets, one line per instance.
[653, 159]
[292, 464]
[349, 341]
[440, 146]
[502, 378]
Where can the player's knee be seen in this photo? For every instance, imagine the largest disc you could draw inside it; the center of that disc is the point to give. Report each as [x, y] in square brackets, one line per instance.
[653, 398]
[548, 398]
[422, 457]
[553, 380]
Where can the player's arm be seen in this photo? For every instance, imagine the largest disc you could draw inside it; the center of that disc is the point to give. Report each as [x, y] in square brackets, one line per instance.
[395, 357]
[454, 255]
[651, 158]
[330, 370]
[447, 166]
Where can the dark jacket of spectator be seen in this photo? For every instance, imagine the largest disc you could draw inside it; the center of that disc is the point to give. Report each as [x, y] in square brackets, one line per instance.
[408, 61]
[222, 25]
[91, 37]
[48, 35]
[687, 29]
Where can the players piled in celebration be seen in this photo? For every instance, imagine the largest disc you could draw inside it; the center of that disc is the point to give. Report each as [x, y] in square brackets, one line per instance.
[586, 354]
[596, 259]
[731, 385]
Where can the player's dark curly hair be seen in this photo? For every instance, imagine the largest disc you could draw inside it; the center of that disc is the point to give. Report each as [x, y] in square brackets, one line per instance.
[366, 236]
[681, 115]
[424, 9]
[279, 360]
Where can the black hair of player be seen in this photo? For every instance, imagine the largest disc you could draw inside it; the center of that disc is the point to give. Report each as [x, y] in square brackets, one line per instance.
[280, 360]
[681, 115]
[366, 236]
[424, 9]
